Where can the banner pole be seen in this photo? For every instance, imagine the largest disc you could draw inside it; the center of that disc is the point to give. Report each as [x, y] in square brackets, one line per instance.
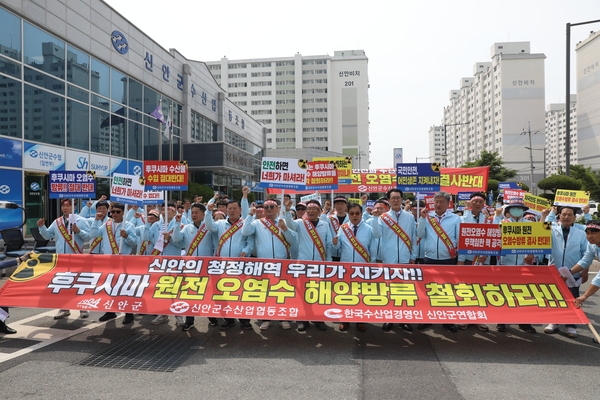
[594, 332]
[71, 225]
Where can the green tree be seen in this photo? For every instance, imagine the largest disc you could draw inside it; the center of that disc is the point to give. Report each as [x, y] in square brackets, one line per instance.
[497, 170]
[555, 182]
[589, 179]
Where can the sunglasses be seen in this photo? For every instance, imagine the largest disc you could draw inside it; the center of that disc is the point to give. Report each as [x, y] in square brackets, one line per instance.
[269, 207]
[116, 211]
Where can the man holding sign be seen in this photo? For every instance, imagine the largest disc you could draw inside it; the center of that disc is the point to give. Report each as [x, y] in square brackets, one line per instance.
[68, 232]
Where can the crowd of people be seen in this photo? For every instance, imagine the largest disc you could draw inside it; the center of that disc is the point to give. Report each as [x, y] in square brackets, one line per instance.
[392, 231]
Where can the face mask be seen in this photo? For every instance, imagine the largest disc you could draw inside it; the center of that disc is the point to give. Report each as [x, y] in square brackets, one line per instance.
[516, 212]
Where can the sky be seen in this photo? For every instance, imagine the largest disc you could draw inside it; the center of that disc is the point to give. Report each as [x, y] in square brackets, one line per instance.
[418, 51]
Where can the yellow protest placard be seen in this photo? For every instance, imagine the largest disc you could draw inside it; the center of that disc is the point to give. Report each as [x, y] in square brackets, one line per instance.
[573, 198]
[526, 238]
[536, 203]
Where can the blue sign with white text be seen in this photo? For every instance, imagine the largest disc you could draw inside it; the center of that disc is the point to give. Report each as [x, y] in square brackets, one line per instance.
[72, 184]
[421, 177]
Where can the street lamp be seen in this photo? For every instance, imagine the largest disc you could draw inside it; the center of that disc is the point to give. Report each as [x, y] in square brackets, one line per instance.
[422, 158]
[445, 153]
[568, 96]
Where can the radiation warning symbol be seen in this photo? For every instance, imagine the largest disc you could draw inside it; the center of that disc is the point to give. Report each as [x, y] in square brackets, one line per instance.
[35, 267]
[302, 163]
[142, 180]
[435, 167]
[547, 225]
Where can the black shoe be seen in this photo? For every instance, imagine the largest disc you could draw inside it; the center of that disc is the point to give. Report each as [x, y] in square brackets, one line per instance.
[128, 319]
[187, 326]
[246, 325]
[406, 327]
[501, 327]
[107, 316]
[6, 329]
[387, 327]
[423, 326]
[213, 322]
[321, 326]
[228, 323]
[451, 327]
[303, 326]
[527, 328]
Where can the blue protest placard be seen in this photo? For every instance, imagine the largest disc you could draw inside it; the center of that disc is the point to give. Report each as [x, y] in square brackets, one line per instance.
[72, 184]
[420, 177]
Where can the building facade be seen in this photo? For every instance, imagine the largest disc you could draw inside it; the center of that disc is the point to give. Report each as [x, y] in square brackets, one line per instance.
[77, 85]
[304, 101]
[588, 101]
[500, 109]
[555, 151]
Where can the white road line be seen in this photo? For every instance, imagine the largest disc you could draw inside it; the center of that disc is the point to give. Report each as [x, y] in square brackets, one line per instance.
[46, 336]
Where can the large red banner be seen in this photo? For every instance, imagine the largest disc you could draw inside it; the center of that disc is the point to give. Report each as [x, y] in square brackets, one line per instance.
[455, 180]
[292, 289]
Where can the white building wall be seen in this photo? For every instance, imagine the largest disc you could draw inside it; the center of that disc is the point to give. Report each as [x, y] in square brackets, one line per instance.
[555, 136]
[588, 101]
[492, 110]
[313, 101]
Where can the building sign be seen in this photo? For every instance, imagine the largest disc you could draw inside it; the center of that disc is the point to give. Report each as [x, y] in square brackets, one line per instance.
[72, 184]
[11, 153]
[41, 157]
[119, 42]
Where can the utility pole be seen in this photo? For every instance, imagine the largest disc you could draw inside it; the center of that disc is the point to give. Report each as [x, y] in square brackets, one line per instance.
[530, 155]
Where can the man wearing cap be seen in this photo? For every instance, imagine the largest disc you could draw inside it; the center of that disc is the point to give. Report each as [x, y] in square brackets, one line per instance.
[314, 240]
[231, 242]
[592, 233]
[398, 238]
[272, 238]
[300, 210]
[515, 211]
[569, 246]
[439, 230]
[335, 220]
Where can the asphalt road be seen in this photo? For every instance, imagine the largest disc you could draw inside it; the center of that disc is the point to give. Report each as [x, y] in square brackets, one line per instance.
[278, 364]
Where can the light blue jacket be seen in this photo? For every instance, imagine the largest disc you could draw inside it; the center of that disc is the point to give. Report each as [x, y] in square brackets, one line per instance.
[267, 245]
[307, 248]
[186, 236]
[62, 247]
[233, 246]
[392, 249]
[126, 245]
[364, 235]
[435, 248]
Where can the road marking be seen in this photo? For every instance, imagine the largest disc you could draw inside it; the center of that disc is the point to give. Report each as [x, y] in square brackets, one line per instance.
[45, 336]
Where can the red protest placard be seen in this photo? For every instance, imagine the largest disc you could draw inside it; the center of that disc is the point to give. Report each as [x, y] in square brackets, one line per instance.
[479, 239]
[166, 175]
[292, 289]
